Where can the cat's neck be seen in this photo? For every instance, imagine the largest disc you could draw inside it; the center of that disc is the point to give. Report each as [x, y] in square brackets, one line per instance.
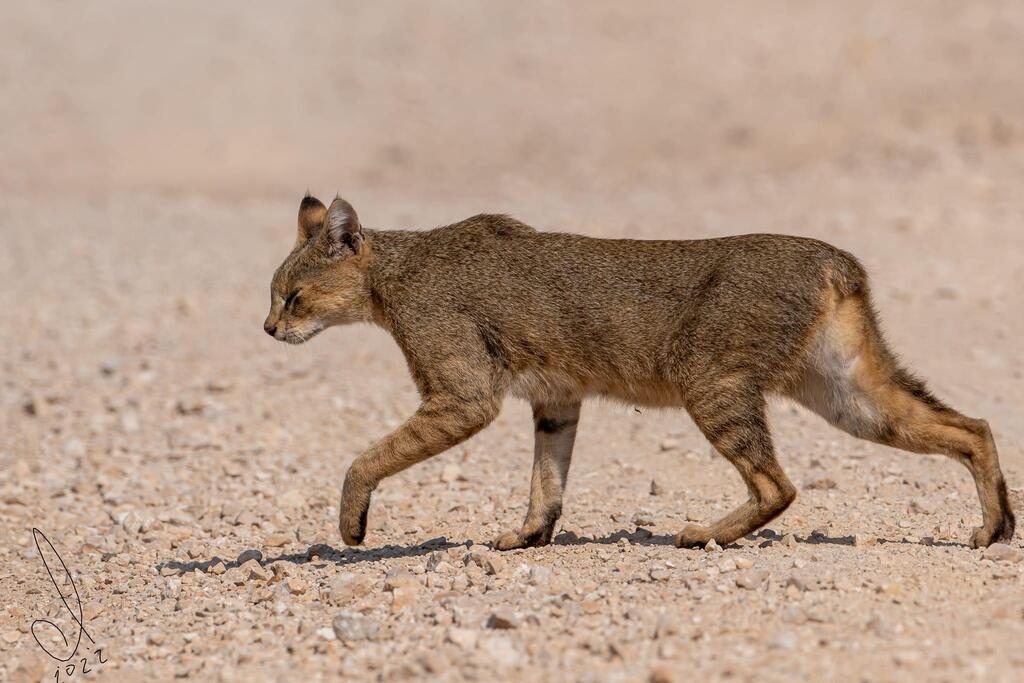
[391, 253]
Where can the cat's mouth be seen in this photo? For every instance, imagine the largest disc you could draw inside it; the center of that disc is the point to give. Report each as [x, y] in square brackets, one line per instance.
[293, 336]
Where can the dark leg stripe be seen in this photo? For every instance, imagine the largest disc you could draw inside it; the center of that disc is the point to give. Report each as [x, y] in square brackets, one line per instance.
[718, 433]
[550, 425]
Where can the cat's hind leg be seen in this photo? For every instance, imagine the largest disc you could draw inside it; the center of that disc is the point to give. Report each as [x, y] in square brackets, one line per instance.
[730, 411]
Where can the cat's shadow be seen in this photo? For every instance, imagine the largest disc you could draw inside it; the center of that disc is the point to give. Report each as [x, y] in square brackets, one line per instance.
[323, 553]
[758, 539]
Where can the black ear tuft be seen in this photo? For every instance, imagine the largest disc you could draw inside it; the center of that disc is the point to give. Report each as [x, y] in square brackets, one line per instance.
[309, 201]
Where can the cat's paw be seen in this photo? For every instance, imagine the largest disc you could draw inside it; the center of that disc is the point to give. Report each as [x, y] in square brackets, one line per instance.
[983, 538]
[524, 538]
[354, 506]
[510, 540]
[352, 519]
[1002, 532]
[353, 526]
[693, 536]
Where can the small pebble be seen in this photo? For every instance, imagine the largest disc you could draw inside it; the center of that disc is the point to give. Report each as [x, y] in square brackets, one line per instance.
[751, 579]
[1001, 552]
[502, 620]
[351, 626]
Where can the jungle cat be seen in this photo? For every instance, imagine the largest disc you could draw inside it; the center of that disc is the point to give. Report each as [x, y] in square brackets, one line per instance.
[489, 307]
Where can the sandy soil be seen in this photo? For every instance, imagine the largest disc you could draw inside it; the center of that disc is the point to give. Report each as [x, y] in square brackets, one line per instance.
[187, 467]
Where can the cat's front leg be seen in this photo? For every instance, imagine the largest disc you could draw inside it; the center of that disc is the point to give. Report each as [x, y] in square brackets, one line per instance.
[555, 430]
[440, 423]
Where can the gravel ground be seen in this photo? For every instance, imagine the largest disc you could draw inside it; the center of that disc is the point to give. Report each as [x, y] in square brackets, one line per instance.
[187, 467]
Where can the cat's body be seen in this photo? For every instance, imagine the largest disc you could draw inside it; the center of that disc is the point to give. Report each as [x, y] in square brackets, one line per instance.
[490, 307]
[565, 316]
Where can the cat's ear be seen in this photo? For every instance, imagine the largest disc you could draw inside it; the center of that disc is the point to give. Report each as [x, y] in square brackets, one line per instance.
[311, 218]
[342, 235]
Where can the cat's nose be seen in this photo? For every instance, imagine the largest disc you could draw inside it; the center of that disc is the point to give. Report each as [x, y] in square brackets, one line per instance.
[270, 328]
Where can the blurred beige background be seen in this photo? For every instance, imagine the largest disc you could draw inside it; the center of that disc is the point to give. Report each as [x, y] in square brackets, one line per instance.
[232, 99]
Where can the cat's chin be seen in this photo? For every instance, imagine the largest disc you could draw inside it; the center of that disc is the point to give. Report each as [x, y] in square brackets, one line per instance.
[301, 338]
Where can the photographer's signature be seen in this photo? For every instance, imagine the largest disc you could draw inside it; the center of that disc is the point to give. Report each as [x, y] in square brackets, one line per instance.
[70, 663]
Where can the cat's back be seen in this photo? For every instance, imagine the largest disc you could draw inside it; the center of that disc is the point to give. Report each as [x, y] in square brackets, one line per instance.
[484, 229]
[497, 257]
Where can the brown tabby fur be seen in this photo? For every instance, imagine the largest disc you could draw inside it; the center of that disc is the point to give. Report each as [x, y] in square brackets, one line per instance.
[489, 307]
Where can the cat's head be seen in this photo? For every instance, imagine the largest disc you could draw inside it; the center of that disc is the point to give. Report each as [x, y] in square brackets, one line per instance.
[323, 280]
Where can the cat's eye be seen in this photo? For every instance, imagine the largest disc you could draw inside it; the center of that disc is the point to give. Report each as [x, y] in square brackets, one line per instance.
[292, 298]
